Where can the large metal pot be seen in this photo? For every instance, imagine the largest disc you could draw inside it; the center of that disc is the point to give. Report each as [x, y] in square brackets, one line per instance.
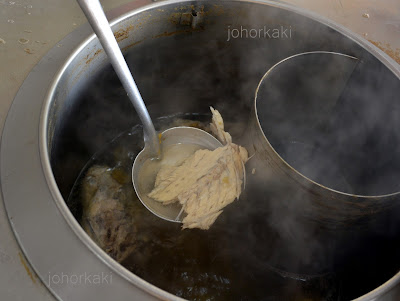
[184, 61]
[325, 155]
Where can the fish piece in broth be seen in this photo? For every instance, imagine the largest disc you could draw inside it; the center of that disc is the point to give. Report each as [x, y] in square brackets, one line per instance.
[205, 182]
[107, 212]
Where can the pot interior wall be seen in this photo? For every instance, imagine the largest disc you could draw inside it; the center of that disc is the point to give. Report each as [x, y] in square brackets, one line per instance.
[345, 140]
[178, 69]
[184, 61]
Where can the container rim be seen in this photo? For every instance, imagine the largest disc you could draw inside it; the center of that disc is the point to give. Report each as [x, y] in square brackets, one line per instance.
[295, 171]
[15, 200]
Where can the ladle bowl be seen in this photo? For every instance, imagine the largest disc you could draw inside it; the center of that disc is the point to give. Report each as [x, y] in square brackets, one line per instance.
[175, 135]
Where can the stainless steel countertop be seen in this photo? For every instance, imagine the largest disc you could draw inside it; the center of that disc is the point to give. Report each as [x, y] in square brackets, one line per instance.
[29, 28]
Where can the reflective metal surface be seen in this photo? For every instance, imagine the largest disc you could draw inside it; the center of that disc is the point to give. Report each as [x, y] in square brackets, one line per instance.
[305, 159]
[171, 136]
[32, 210]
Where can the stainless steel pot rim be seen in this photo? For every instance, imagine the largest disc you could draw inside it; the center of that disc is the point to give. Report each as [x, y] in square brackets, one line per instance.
[62, 206]
[43, 148]
[265, 77]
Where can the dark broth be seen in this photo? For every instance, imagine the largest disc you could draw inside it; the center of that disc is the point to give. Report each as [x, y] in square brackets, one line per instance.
[218, 264]
[231, 261]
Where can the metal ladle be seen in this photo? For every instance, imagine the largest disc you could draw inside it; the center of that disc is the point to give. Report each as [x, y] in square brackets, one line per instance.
[177, 135]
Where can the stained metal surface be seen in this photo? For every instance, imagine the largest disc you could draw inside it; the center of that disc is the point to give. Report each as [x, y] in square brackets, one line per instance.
[82, 262]
[44, 24]
[17, 279]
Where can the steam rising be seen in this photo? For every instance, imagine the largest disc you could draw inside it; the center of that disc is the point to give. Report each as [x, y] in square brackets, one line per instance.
[356, 150]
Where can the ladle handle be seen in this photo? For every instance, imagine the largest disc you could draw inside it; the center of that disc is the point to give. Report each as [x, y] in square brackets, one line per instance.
[97, 19]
